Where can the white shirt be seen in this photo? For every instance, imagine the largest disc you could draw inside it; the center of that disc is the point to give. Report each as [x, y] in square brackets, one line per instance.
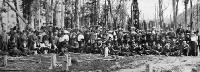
[80, 37]
[65, 37]
[194, 38]
[43, 45]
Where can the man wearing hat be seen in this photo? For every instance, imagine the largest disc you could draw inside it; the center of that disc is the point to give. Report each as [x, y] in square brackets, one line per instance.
[80, 38]
[193, 44]
[63, 41]
[63, 47]
[64, 36]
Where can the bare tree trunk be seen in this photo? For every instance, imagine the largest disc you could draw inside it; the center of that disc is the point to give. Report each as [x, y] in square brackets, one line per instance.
[186, 2]
[15, 3]
[175, 12]
[160, 14]
[197, 24]
[95, 12]
[135, 14]
[98, 10]
[191, 15]
[106, 24]
[109, 2]
[177, 4]
[132, 12]
[63, 15]
[76, 13]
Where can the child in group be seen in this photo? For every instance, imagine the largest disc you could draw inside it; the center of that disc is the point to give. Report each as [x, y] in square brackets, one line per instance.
[24, 48]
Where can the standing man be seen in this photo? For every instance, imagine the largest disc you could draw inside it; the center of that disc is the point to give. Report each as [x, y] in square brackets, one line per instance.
[194, 43]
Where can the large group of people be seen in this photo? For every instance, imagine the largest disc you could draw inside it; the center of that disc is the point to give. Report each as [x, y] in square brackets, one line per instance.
[118, 42]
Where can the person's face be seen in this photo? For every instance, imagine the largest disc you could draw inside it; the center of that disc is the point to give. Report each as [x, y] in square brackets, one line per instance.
[147, 44]
[154, 43]
[174, 40]
[15, 31]
[51, 34]
[184, 43]
[167, 37]
[53, 41]
[140, 46]
[128, 39]
[104, 45]
[56, 32]
[24, 43]
[89, 41]
[99, 41]
[168, 46]
[158, 45]
[46, 42]
[187, 35]
[95, 44]
[145, 38]
[15, 48]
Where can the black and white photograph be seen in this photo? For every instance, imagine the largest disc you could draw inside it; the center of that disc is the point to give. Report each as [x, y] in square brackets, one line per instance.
[99, 36]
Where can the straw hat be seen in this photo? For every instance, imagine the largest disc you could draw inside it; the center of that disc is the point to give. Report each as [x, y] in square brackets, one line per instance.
[65, 32]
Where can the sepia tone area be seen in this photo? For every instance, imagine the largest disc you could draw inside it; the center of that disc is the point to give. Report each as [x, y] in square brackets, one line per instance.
[99, 36]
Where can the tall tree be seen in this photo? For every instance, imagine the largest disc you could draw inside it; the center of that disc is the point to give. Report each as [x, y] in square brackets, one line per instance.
[175, 4]
[135, 13]
[186, 4]
[191, 17]
[160, 13]
[15, 3]
[76, 19]
[197, 24]
[111, 13]
[26, 6]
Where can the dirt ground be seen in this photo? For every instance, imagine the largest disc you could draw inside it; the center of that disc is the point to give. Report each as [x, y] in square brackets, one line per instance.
[97, 63]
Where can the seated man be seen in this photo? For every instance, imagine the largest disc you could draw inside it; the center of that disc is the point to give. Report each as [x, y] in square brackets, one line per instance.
[99, 45]
[186, 48]
[95, 48]
[166, 50]
[140, 50]
[176, 51]
[126, 49]
[36, 46]
[88, 47]
[158, 49]
[82, 47]
[75, 46]
[153, 48]
[24, 48]
[146, 49]
[45, 46]
[64, 46]
[54, 48]
[14, 51]
[116, 49]
[133, 48]
[12, 46]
